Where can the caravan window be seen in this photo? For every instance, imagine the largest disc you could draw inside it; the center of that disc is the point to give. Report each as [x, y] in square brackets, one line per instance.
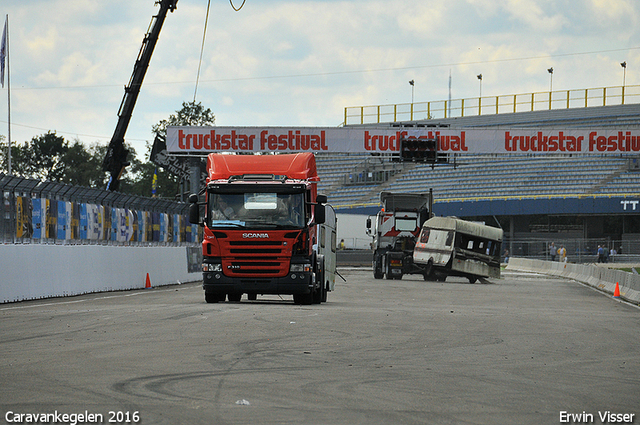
[333, 241]
[478, 244]
[449, 238]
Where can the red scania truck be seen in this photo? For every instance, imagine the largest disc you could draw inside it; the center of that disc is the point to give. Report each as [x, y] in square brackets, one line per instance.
[266, 229]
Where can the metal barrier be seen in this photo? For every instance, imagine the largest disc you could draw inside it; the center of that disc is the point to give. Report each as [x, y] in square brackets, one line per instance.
[56, 213]
[491, 105]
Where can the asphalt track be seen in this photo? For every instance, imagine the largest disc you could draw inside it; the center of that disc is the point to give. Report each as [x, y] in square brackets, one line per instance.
[519, 350]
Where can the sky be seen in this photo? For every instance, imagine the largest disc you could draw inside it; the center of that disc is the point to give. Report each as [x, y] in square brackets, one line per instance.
[298, 63]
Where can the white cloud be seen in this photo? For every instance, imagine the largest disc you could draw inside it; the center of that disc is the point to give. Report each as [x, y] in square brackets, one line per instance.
[301, 62]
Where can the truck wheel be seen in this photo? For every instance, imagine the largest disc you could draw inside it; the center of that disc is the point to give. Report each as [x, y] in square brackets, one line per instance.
[387, 271]
[235, 297]
[324, 292]
[303, 299]
[377, 269]
[211, 297]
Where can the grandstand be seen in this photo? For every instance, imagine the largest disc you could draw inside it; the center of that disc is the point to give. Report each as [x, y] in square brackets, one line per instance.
[479, 177]
[596, 196]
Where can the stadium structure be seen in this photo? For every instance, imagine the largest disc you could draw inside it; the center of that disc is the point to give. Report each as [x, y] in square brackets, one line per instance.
[576, 200]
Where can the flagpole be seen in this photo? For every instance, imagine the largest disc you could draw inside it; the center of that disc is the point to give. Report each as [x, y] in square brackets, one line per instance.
[6, 25]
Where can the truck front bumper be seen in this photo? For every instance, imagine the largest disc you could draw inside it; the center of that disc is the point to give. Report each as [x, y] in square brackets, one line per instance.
[292, 283]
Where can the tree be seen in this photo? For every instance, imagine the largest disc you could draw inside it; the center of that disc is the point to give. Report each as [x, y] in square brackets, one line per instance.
[51, 157]
[83, 167]
[41, 158]
[192, 113]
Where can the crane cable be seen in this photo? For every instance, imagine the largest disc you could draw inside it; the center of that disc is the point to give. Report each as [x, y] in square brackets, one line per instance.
[204, 34]
[234, 8]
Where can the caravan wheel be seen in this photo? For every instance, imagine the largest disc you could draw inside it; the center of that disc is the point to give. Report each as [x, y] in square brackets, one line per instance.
[428, 270]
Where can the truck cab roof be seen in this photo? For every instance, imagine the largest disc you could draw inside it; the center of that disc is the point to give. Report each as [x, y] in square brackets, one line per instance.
[300, 166]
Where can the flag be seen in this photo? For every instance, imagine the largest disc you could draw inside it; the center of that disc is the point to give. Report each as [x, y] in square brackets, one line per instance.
[154, 183]
[3, 53]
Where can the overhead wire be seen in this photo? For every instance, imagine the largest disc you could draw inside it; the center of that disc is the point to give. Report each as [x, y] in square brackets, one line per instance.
[204, 35]
[357, 71]
[234, 8]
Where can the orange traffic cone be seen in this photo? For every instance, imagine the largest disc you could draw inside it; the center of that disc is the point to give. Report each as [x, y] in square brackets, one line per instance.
[148, 282]
[616, 293]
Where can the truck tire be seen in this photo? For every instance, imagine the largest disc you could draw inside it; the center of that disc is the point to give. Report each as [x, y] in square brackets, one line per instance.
[303, 299]
[377, 268]
[211, 297]
[235, 297]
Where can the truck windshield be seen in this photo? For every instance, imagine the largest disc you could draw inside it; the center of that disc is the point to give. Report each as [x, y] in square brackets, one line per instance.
[257, 210]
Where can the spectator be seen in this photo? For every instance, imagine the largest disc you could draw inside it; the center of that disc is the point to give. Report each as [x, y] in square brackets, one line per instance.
[341, 244]
[553, 251]
[601, 254]
[562, 252]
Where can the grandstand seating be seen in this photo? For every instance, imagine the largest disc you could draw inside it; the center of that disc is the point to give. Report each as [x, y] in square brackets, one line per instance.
[498, 176]
[483, 176]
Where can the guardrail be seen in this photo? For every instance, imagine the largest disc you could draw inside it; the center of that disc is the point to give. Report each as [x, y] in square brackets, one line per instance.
[602, 278]
[491, 105]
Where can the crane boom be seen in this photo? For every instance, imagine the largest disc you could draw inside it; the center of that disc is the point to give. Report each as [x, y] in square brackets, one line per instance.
[115, 159]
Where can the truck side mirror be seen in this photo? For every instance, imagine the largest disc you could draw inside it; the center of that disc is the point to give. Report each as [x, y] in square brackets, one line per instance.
[369, 223]
[321, 199]
[194, 209]
[320, 214]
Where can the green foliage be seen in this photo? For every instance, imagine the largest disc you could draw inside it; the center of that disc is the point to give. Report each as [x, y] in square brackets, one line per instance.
[192, 113]
[40, 159]
[50, 157]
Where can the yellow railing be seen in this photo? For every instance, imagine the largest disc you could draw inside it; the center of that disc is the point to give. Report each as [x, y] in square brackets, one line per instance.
[489, 105]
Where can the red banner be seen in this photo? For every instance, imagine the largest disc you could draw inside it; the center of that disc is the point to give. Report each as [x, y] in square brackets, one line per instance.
[387, 140]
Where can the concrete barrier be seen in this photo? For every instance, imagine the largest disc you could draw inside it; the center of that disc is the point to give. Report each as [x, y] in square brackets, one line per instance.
[41, 271]
[602, 278]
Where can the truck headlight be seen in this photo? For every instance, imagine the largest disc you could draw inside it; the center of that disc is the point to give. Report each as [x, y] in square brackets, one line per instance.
[299, 268]
[209, 267]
